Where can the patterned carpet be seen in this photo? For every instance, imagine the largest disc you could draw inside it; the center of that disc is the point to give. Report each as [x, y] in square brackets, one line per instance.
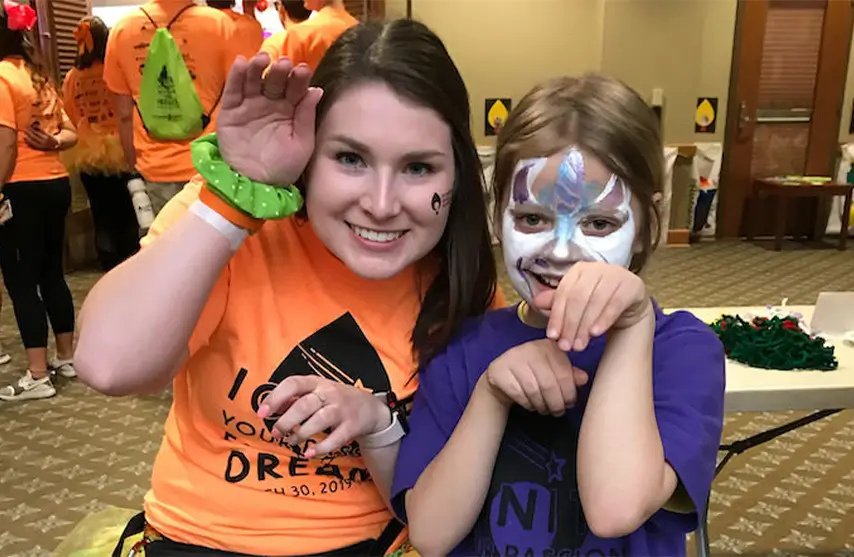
[80, 452]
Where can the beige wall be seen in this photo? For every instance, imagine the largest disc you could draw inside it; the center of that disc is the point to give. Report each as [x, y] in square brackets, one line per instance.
[684, 48]
[681, 46]
[502, 49]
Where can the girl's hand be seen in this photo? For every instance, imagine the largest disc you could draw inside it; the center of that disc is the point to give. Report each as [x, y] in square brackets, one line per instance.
[591, 299]
[39, 140]
[309, 405]
[265, 127]
[537, 376]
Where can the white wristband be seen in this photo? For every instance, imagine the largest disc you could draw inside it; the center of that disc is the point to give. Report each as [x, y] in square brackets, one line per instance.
[233, 233]
[389, 436]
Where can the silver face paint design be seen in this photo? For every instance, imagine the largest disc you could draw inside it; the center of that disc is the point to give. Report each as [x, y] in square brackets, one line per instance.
[556, 217]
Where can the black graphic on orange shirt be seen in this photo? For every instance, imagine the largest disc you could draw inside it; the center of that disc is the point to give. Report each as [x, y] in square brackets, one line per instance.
[339, 352]
[93, 101]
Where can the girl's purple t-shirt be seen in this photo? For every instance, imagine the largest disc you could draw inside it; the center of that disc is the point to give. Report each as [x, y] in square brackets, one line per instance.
[532, 508]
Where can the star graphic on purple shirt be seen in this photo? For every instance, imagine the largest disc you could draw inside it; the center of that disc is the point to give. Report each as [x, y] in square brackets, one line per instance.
[554, 466]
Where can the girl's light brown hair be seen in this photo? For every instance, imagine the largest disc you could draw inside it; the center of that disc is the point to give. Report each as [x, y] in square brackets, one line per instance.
[601, 116]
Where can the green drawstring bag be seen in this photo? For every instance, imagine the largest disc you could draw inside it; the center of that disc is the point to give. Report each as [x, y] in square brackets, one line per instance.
[168, 105]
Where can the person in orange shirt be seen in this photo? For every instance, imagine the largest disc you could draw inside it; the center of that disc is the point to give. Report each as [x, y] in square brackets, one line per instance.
[98, 157]
[291, 12]
[332, 309]
[307, 42]
[247, 31]
[36, 197]
[206, 39]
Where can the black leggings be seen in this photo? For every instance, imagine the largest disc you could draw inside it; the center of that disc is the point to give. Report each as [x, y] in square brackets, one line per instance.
[31, 249]
[116, 227]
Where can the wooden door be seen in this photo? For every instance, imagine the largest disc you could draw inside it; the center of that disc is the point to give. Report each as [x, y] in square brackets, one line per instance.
[786, 90]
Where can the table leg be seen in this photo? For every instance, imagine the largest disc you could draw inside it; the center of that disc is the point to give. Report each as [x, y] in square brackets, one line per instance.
[780, 222]
[846, 216]
[750, 206]
[820, 227]
[701, 535]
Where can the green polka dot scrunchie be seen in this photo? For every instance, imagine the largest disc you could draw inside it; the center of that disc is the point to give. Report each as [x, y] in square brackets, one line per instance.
[257, 200]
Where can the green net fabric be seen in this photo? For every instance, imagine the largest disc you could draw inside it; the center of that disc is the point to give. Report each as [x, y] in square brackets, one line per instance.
[773, 343]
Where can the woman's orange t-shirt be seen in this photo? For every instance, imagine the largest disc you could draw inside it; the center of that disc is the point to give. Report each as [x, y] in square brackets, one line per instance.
[20, 107]
[284, 306]
[91, 107]
[248, 32]
[307, 41]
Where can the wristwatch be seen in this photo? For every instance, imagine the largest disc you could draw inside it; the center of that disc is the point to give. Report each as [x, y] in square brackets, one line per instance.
[398, 428]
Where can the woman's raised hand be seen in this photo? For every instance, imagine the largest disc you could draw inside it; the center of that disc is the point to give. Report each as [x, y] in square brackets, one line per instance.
[266, 123]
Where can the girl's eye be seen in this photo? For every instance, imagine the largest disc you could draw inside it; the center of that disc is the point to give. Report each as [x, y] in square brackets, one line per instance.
[531, 223]
[349, 159]
[599, 226]
[420, 169]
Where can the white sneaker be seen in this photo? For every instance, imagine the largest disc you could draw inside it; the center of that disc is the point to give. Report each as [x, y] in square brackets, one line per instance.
[27, 388]
[64, 368]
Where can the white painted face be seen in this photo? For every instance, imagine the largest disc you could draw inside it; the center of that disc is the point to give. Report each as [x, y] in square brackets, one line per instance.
[564, 209]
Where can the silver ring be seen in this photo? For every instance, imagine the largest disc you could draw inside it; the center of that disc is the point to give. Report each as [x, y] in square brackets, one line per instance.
[267, 94]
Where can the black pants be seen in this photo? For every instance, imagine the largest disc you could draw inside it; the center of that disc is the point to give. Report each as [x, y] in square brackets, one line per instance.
[116, 227]
[31, 248]
[168, 548]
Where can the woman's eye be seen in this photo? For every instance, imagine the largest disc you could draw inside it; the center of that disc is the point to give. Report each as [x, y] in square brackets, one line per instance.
[419, 169]
[349, 159]
[600, 224]
[532, 220]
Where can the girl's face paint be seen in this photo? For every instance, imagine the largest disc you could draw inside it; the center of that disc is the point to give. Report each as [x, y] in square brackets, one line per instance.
[561, 212]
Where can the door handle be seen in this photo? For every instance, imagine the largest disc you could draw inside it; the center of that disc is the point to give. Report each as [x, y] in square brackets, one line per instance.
[744, 117]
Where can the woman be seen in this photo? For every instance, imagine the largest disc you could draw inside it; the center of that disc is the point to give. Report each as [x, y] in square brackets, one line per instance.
[35, 183]
[98, 156]
[319, 319]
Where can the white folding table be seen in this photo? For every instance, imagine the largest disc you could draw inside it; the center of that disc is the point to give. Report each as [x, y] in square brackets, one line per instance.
[759, 390]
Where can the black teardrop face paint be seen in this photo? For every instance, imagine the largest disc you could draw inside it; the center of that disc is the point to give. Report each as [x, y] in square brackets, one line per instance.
[436, 203]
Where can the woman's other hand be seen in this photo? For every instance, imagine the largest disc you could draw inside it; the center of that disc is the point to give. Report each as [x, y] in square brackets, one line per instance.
[309, 405]
[265, 127]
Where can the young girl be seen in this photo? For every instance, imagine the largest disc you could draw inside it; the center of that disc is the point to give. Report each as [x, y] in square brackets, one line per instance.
[609, 450]
[98, 156]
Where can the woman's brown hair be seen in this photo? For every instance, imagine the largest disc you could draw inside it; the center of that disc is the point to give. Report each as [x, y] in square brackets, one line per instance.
[601, 116]
[411, 60]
